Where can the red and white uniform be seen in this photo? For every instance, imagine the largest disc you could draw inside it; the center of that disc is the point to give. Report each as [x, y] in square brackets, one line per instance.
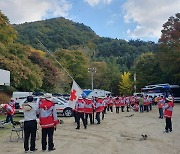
[161, 102]
[122, 101]
[127, 101]
[146, 101]
[111, 102]
[99, 105]
[107, 99]
[89, 106]
[80, 105]
[105, 102]
[136, 107]
[133, 100]
[150, 100]
[9, 109]
[168, 109]
[117, 102]
[47, 114]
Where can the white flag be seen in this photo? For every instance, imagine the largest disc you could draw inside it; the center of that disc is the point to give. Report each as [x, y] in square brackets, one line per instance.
[75, 93]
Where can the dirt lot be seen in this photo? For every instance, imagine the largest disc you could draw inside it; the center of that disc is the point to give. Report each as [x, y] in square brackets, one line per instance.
[117, 134]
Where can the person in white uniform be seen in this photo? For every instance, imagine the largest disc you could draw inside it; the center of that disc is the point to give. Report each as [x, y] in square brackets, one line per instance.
[30, 109]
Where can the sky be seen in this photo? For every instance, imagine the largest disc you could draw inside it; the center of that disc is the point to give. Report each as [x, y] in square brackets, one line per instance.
[121, 19]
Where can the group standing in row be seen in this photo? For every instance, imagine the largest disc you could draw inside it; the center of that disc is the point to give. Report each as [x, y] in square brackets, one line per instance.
[92, 108]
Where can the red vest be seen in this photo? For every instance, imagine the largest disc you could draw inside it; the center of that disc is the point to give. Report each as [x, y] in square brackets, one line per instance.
[136, 107]
[168, 110]
[99, 106]
[122, 101]
[9, 109]
[160, 103]
[88, 107]
[117, 102]
[111, 102]
[146, 102]
[80, 105]
[48, 115]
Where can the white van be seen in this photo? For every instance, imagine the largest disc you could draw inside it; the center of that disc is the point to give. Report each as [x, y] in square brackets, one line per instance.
[19, 98]
[18, 94]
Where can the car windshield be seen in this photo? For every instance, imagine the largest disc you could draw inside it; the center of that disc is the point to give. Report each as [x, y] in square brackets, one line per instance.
[62, 99]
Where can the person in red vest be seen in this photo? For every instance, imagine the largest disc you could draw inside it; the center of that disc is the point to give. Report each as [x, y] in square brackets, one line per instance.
[146, 104]
[122, 103]
[127, 103]
[135, 107]
[98, 108]
[9, 111]
[104, 104]
[111, 103]
[161, 102]
[150, 102]
[48, 121]
[107, 102]
[88, 109]
[80, 112]
[117, 104]
[168, 109]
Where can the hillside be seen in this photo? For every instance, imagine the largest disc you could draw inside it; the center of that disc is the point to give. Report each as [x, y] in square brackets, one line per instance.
[54, 33]
[61, 33]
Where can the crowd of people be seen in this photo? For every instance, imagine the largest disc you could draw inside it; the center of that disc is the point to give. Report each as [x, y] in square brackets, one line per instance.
[85, 108]
[97, 106]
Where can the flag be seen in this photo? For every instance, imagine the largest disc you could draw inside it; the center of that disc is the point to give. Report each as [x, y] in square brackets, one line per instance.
[75, 93]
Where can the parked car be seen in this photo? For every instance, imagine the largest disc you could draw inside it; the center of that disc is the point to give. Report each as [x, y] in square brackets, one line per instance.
[62, 106]
[66, 96]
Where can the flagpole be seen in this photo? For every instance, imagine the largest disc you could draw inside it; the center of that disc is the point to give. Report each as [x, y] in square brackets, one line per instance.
[55, 59]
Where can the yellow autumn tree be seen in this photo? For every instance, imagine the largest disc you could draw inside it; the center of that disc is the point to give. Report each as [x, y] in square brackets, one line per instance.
[126, 84]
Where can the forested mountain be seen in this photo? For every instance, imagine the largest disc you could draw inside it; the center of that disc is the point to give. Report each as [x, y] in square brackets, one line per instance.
[61, 33]
[54, 33]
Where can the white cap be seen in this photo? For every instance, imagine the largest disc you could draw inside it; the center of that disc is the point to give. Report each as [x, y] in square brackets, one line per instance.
[170, 98]
[48, 96]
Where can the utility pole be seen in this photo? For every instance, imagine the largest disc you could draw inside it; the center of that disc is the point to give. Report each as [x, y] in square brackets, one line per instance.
[135, 77]
[92, 70]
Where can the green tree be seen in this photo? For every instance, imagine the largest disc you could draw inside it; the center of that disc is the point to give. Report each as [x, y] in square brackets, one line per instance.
[51, 73]
[76, 63]
[126, 84]
[171, 31]
[148, 70]
[7, 33]
[170, 50]
[24, 74]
